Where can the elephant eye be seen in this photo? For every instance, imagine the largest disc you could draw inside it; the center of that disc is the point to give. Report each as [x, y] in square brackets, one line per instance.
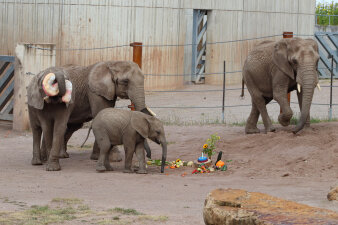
[158, 132]
[124, 81]
[294, 61]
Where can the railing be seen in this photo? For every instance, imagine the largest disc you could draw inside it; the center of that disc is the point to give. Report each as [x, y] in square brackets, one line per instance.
[325, 20]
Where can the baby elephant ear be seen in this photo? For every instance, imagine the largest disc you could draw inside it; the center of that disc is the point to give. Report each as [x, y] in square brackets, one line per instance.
[33, 94]
[140, 123]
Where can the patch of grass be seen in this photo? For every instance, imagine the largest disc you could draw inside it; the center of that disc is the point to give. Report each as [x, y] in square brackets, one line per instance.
[153, 218]
[87, 146]
[67, 201]
[127, 211]
[38, 215]
[293, 121]
[175, 120]
[171, 142]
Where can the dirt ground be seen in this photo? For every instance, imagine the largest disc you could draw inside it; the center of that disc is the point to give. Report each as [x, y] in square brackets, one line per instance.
[299, 167]
[295, 167]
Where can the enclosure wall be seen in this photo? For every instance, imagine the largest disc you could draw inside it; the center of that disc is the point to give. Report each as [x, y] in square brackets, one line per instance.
[89, 24]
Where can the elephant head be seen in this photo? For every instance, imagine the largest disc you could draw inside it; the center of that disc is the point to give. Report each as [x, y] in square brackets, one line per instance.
[152, 128]
[119, 79]
[49, 86]
[298, 59]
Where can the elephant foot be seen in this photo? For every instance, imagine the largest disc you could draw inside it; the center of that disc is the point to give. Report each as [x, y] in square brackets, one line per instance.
[128, 171]
[63, 154]
[100, 168]
[109, 168]
[284, 122]
[94, 156]
[115, 156]
[141, 171]
[53, 166]
[270, 129]
[252, 130]
[36, 162]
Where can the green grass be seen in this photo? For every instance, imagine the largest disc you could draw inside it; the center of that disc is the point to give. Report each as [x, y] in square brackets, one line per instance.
[175, 120]
[293, 121]
[72, 209]
[127, 211]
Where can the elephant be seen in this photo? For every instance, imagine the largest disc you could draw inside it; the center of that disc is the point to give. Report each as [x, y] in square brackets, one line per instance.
[112, 127]
[275, 68]
[52, 120]
[95, 87]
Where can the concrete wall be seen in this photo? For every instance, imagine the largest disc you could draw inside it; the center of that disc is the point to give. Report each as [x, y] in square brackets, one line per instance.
[97, 23]
[28, 63]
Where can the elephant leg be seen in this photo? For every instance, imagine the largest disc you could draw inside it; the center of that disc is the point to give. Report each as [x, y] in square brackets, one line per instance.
[280, 95]
[104, 145]
[260, 103]
[300, 98]
[37, 131]
[59, 130]
[43, 151]
[96, 152]
[115, 155]
[251, 123]
[129, 149]
[71, 128]
[47, 129]
[139, 151]
[106, 160]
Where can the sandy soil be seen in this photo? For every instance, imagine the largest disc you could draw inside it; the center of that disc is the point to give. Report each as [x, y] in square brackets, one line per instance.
[295, 167]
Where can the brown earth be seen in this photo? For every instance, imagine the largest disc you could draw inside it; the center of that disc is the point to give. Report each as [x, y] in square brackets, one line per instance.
[298, 167]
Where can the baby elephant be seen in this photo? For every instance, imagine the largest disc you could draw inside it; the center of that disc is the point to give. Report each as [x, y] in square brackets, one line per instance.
[115, 127]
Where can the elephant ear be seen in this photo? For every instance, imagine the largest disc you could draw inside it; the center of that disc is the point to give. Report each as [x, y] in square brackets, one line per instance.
[140, 123]
[101, 81]
[33, 94]
[280, 58]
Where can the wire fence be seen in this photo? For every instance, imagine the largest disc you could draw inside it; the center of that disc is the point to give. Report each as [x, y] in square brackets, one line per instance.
[196, 105]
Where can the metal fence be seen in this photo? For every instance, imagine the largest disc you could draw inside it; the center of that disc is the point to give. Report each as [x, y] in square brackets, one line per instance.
[208, 104]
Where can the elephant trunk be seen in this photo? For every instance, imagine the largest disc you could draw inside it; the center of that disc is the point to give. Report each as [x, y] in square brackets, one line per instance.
[307, 90]
[164, 154]
[60, 79]
[138, 98]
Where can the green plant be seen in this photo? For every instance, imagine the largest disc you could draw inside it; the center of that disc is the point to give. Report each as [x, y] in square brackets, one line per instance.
[324, 10]
[209, 147]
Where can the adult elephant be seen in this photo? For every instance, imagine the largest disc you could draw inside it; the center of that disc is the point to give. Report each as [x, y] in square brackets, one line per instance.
[97, 87]
[275, 68]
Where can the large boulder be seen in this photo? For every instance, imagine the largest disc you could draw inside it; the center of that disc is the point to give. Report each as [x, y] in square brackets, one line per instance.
[239, 207]
[333, 194]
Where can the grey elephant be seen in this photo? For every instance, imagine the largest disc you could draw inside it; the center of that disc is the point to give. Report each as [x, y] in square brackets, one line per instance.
[112, 127]
[52, 120]
[275, 68]
[95, 87]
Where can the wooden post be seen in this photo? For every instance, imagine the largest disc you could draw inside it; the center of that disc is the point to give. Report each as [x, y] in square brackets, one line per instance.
[287, 35]
[30, 60]
[137, 58]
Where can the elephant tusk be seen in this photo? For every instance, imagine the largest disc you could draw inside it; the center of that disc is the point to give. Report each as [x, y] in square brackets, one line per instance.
[151, 112]
[68, 95]
[48, 87]
[318, 86]
[298, 87]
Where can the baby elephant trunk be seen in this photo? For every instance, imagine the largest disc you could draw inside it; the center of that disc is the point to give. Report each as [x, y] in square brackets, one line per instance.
[164, 154]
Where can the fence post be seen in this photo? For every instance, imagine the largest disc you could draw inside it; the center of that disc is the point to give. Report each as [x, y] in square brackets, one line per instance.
[28, 62]
[287, 35]
[224, 71]
[331, 83]
[137, 58]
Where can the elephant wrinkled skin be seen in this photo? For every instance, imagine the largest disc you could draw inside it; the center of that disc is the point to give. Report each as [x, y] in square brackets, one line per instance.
[113, 127]
[275, 68]
[95, 87]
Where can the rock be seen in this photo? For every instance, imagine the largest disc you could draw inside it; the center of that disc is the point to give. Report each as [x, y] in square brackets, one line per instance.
[333, 194]
[233, 206]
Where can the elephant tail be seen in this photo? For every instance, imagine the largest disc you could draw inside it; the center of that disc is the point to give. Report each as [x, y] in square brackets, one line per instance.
[242, 94]
[90, 128]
